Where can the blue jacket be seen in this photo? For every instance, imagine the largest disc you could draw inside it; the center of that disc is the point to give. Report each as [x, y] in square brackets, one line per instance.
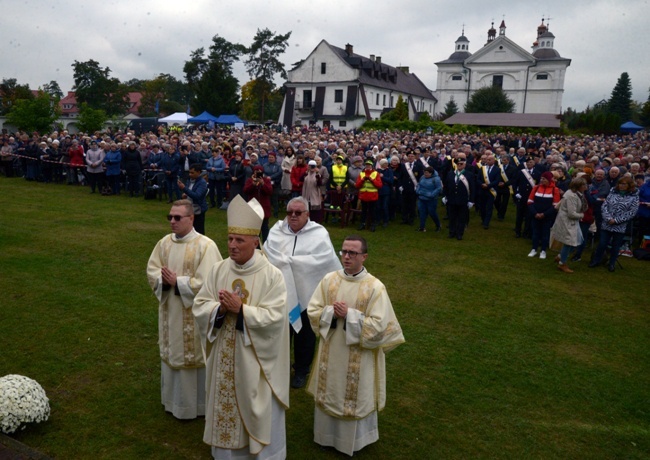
[274, 172]
[113, 162]
[644, 197]
[198, 193]
[429, 188]
[170, 163]
[386, 181]
[216, 168]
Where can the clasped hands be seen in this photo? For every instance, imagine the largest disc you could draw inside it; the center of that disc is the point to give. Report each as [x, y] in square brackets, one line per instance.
[340, 309]
[230, 302]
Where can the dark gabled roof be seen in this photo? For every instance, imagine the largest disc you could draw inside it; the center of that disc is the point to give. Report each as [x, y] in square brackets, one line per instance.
[383, 75]
[523, 120]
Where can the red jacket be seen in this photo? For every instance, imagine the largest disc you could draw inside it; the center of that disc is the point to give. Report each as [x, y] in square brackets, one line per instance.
[368, 184]
[262, 193]
[298, 177]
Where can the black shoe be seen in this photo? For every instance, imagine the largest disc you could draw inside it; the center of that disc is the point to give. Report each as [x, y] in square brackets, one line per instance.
[459, 237]
[611, 268]
[361, 227]
[576, 259]
[594, 264]
[517, 235]
[298, 381]
[437, 229]
[451, 236]
[485, 227]
[421, 229]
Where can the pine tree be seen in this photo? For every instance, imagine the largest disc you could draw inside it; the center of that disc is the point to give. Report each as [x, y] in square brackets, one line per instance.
[621, 98]
[490, 99]
[451, 108]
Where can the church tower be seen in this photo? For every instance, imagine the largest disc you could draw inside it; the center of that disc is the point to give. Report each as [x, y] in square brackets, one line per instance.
[492, 33]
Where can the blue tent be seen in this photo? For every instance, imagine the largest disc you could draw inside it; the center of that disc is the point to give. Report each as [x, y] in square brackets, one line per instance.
[205, 117]
[630, 127]
[229, 120]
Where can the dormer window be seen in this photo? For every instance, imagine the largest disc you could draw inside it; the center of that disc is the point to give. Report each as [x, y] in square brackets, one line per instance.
[456, 78]
[542, 76]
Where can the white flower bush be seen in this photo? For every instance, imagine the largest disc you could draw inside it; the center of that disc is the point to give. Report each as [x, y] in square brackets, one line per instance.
[22, 401]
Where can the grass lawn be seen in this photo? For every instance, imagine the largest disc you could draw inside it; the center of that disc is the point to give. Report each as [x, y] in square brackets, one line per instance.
[505, 356]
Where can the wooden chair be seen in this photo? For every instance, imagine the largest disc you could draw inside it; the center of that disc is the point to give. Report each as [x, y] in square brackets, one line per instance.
[335, 207]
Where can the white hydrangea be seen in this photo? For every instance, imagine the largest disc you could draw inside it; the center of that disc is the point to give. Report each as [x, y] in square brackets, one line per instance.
[22, 400]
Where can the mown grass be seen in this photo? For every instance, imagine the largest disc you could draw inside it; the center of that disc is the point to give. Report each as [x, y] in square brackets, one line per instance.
[505, 357]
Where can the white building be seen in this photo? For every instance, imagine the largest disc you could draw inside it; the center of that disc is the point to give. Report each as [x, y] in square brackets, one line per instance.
[337, 88]
[534, 81]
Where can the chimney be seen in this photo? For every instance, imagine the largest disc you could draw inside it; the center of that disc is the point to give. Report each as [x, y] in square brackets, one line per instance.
[378, 59]
[404, 69]
[372, 57]
[348, 49]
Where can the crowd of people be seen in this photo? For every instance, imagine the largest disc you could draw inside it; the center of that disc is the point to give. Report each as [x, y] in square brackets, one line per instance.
[386, 177]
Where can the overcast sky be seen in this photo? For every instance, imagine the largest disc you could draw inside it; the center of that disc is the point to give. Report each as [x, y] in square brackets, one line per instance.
[142, 38]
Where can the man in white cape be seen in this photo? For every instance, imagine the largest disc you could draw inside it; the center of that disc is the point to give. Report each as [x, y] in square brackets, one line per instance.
[242, 315]
[351, 312]
[176, 270]
[303, 251]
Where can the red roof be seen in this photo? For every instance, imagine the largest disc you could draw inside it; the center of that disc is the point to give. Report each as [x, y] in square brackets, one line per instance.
[71, 102]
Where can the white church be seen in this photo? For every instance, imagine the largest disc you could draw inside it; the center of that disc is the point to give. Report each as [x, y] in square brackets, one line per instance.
[534, 81]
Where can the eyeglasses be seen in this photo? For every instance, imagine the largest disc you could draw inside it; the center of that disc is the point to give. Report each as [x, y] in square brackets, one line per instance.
[295, 213]
[344, 252]
[175, 217]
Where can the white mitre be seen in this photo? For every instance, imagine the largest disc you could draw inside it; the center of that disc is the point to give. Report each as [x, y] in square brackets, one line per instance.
[245, 218]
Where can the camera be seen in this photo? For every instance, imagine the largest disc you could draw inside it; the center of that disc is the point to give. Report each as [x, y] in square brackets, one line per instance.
[258, 174]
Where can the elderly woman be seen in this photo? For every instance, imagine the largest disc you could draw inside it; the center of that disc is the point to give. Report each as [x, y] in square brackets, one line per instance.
[619, 208]
[566, 228]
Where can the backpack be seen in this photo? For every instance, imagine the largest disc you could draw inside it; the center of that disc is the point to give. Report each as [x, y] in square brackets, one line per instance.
[641, 254]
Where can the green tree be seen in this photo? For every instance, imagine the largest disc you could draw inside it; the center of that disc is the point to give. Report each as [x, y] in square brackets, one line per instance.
[94, 86]
[53, 89]
[489, 99]
[451, 108]
[210, 78]
[621, 99]
[399, 113]
[170, 94]
[10, 92]
[35, 113]
[91, 120]
[264, 63]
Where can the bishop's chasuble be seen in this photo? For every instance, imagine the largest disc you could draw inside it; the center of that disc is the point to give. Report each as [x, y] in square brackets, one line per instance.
[247, 359]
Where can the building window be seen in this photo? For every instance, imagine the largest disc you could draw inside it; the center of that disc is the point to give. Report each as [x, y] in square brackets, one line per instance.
[384, 102]
[377, 101]
[323, 67]
[343, 123]
[338, 95]
[497, 80]
[542, 76]
[456, 77]
[417, 106]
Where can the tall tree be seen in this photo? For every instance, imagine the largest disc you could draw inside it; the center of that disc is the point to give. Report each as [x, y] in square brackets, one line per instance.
[210, 78]
[34, 114]
[10, 92]
[53, 89]
[489, 99]
[264, 63]
[451, 108]
[164, 91]
[94, 85]
[621, 99]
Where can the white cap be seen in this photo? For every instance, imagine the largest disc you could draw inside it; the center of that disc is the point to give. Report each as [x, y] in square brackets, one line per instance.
[312, 163]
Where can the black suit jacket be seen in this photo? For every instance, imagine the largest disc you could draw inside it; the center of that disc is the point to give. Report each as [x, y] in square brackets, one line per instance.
[456, 192]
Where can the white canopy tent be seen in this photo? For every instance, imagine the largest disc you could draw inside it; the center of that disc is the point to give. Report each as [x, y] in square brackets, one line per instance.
[178, 118]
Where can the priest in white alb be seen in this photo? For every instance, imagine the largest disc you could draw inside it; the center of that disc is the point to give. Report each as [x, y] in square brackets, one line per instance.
[351, 313]
[176, 270]
[242, 314]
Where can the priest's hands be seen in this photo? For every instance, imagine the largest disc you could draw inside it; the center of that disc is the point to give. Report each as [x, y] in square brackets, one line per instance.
[340, 309]
[230, 301]
[168, 276]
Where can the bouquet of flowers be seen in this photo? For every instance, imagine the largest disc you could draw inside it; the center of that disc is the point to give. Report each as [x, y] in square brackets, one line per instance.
[22, 400]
